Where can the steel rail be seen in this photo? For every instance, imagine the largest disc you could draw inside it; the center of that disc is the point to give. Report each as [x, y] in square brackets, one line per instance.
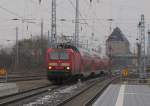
[86, 89]
[25, 94]
[91, 101]
[24, 78]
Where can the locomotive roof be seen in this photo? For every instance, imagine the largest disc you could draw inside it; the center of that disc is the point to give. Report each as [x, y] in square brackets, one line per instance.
[89, 52]
[66, 46]
[81, 50]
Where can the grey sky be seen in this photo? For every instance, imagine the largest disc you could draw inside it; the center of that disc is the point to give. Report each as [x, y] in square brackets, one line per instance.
[126, 14]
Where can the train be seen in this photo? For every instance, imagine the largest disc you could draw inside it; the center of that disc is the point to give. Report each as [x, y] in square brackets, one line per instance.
[67, 61]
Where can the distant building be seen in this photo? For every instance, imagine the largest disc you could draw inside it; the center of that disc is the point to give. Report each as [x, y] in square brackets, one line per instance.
[117, 45]
[148, 49]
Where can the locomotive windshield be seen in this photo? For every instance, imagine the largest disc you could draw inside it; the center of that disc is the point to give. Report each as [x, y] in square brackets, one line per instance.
[59, 55]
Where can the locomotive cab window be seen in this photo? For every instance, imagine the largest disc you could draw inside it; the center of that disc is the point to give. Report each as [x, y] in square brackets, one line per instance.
[54, 56]
[61, 55]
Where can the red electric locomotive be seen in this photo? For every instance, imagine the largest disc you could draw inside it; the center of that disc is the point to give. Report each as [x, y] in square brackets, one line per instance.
[67, 61]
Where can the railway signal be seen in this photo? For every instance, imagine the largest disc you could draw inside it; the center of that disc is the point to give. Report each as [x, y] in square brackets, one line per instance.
[124, 73]
[3, 72]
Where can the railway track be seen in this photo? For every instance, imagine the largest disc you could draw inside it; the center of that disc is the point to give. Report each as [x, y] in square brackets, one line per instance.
[21, 78]
[7, 100]
[88, 95]
[78, 98]
[102, 89]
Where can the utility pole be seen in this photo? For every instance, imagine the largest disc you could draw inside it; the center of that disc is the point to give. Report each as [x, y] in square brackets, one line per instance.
[31, 43]
[87, 44]
[48, 39]
[17, 52]
[42, 29]
[110, 60]
[139, 57]
[42, 23]
[110, 22]
[110, 49]
[76, 36]
[53, 25]
[142, 44]
[148, 47]
[62, 21]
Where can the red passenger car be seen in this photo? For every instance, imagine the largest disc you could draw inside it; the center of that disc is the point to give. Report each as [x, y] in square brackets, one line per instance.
[68, 61]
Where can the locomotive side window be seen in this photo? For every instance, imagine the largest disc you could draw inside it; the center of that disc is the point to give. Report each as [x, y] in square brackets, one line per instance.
[62, 55]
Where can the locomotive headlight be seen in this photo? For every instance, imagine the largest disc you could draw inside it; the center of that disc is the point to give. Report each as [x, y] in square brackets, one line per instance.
[68, 68]
[50, 67]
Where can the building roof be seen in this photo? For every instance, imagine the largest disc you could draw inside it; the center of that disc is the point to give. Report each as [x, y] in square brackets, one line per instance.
[117, 35]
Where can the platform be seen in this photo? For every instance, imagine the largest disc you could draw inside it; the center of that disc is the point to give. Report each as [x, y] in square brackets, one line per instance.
[125, 95]
[8, 89]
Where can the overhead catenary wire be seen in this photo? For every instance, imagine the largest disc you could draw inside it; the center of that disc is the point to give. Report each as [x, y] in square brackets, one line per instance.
[21, 18]
[10, 12]
[91, 27]
[37, 6]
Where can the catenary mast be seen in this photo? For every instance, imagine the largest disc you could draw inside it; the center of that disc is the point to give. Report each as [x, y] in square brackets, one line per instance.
[53, 25]
[76, 36]
[143, 53]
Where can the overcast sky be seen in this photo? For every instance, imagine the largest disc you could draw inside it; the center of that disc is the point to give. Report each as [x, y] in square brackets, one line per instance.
[126, 15]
